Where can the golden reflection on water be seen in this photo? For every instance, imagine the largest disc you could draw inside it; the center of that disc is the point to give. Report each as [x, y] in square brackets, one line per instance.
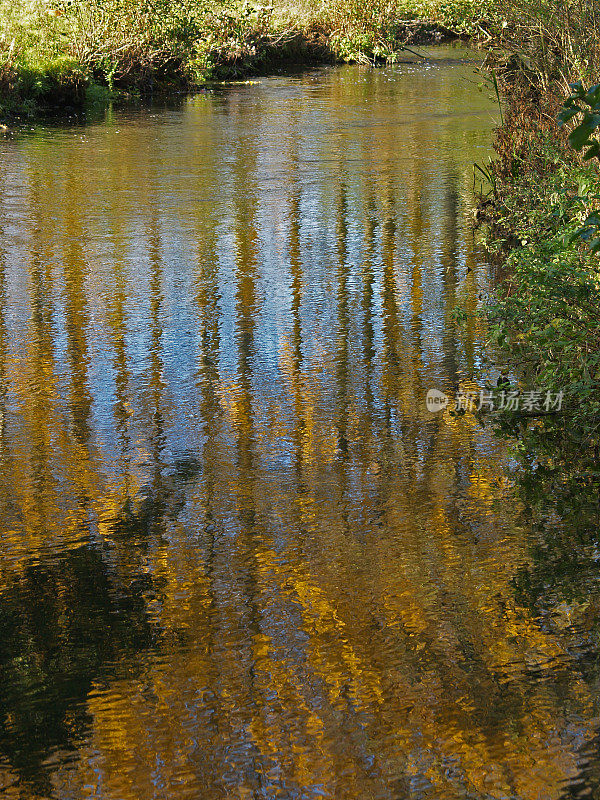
[240, 558]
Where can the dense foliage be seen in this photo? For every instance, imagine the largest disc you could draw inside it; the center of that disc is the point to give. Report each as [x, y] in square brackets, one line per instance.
[545, 317]
[50, 49]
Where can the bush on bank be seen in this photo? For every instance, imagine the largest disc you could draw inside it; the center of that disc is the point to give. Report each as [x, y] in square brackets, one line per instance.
[545, 317]
[544, 325]
[51, 49]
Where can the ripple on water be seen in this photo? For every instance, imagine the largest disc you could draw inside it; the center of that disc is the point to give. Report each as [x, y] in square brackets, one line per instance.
[240, 558]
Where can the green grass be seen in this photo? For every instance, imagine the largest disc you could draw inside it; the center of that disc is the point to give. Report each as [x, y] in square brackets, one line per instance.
[51, 51]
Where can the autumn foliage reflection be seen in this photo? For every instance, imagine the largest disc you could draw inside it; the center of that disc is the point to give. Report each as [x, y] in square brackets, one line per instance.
[239, 557]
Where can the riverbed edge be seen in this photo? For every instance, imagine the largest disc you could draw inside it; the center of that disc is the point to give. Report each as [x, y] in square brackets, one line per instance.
[66, 87]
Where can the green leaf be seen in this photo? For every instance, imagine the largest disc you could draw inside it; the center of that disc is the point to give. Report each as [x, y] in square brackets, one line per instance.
[577, 89]
[567, 114]
[593, 95]
[580, 135]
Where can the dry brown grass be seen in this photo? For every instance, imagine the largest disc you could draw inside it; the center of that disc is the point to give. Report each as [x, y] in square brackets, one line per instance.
[558, 41]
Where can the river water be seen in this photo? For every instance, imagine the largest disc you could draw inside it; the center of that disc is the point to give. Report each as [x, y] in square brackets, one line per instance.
[240, 558]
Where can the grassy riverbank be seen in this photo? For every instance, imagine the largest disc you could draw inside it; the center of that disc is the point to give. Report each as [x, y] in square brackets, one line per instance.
[545, 319]
[53, 51]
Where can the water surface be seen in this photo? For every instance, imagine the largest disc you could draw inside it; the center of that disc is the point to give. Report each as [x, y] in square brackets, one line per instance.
[240, 558]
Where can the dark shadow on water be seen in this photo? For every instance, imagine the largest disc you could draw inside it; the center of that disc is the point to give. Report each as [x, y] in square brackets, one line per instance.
[68, 624]
[559, 585]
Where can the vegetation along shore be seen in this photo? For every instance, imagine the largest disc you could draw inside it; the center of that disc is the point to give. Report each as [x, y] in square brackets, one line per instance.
[55, 53]
[542, 227]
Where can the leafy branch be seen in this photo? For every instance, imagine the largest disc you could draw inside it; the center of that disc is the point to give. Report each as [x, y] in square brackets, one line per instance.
[583, 105]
